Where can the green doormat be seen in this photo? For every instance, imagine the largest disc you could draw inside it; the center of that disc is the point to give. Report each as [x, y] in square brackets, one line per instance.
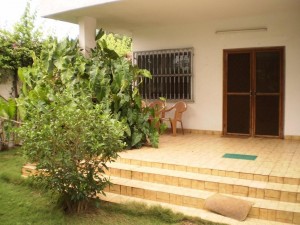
[239, 156]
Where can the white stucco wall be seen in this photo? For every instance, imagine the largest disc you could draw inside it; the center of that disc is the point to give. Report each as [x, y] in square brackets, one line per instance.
[6, 86]
[205, 113]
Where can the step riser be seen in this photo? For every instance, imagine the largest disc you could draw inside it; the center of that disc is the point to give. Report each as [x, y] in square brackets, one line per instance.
[225, 188]
[157, 196]
[193, 202]
[215, 172]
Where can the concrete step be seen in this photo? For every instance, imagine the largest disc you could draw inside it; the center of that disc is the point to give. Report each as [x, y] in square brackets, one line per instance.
[261, 176]
[227, 185]
[262, 209]
[28, 169]
[201, 213]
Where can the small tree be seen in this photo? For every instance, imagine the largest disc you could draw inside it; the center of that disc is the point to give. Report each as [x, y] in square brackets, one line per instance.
[71, 141]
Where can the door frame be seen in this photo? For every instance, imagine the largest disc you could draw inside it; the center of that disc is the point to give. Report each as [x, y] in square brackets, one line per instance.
[252, 51]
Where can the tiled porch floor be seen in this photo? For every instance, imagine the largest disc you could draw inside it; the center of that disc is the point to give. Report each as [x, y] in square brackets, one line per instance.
[275, 157]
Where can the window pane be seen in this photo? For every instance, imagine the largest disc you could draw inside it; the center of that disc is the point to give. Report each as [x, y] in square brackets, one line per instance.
[267, 72]
[267, 115]
[238, 114]
[238, 72]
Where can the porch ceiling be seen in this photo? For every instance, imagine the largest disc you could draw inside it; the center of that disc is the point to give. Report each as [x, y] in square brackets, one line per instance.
[130, 15]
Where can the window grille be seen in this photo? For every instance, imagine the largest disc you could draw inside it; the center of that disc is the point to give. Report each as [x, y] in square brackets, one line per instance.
[171, 73]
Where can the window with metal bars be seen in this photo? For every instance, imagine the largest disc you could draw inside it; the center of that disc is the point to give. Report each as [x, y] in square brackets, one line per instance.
[171, 73]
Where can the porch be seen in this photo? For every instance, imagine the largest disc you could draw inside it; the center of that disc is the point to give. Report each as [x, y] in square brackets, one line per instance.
[277, 159]
[187, 169]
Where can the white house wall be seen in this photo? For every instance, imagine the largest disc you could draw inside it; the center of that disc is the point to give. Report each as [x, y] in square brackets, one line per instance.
[205, 112]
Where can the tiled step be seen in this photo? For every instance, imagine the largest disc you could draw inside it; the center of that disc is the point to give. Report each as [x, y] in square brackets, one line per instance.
[263, 176]
[227, 185]
[183, 189]
[116, 198]
[262, 209]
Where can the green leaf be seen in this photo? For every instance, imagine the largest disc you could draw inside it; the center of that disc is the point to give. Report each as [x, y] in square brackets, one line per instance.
[8, 108]
[128, 131]
[11, 108]
[145, 73]
[136, 138]
[59, 63]
[99, 34]
[21, 74]
[111, 53]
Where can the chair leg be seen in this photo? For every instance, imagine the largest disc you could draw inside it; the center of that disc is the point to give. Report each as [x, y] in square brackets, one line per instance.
[173, 125]
[182, 127]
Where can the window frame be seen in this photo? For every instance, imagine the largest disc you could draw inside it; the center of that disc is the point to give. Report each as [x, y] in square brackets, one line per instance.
[181, 71]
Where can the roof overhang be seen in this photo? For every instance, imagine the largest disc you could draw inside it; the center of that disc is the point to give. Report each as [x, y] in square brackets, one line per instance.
[130, 15]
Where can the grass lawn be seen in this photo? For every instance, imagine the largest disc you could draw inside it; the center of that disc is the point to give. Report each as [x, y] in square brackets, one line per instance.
[21, 203]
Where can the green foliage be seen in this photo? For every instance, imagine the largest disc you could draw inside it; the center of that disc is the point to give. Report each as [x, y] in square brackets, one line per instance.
[16, 47]
[7, 115]
[77, 114]
[119, 89]
[107, 77]
[116, 86]
[71, 140]
[120, 44]
[8, 108]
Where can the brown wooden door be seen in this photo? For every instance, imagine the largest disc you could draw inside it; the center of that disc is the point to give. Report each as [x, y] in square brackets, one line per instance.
[253, 92]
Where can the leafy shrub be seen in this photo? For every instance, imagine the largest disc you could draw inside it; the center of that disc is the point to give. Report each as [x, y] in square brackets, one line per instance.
[71, 141]
[106, 76]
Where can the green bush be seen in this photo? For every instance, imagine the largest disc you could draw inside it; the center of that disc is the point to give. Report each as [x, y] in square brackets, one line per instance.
[71, 141]
[110, 79]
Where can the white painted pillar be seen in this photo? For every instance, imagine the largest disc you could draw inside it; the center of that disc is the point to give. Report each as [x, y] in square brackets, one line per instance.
[87, 33]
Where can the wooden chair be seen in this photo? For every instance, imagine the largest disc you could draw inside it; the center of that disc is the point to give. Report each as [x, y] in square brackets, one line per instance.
[180, 108]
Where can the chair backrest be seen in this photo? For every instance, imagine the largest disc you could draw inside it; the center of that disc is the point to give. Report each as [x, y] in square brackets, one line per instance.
[158, 106]
[180, 107]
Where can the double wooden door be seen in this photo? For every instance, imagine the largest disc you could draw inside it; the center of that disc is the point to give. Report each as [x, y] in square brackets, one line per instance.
[253, 92]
